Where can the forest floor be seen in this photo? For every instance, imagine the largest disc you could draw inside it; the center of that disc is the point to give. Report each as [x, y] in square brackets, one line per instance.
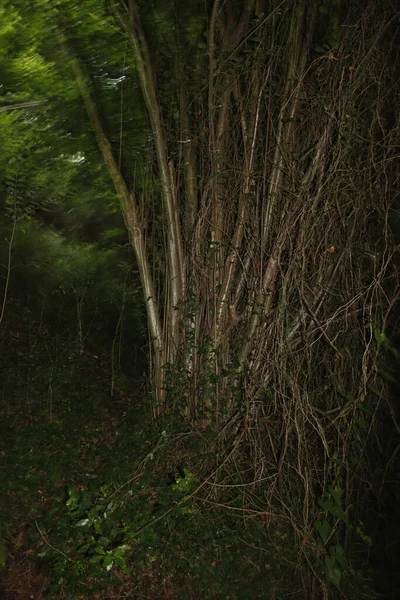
[99, 501]
[96, 499]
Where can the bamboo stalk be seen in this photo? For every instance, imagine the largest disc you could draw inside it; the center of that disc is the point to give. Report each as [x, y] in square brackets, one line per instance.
[130, 211]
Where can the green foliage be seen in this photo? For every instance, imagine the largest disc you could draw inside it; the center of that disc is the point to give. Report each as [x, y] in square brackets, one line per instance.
[185, 482]
[324, 529]
[332, 503]
[101, 531]
[336, 561]
[336, 524]
[95, 538]
[102, 527]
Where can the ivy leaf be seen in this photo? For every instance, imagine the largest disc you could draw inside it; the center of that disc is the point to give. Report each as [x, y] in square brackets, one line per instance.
[336, 576]
[340, 556]
[333, 572]
[329, 562]
[336, 492]
[324, 529]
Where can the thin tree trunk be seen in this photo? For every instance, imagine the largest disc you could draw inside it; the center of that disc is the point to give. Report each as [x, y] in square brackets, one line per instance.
[132, 221]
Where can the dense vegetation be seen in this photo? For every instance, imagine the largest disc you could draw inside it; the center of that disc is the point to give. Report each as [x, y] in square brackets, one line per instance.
[199, 299]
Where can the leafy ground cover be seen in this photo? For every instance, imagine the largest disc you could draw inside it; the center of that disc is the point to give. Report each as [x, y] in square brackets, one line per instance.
[98, 502]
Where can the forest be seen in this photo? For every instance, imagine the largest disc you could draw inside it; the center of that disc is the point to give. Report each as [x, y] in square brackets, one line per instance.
[199, 299]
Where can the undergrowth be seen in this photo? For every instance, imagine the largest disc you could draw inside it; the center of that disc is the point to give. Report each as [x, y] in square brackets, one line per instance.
[100, 501]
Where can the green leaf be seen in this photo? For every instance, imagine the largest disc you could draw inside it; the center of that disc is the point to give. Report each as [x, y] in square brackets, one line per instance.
[324, 529]
[329, 562]
[120, 561]
[103, 541]
[339, 554]
[93, 513]
[360, 531]
[71, 503]
[120, 550]
[335, 575]
[338, 512]
[332, 570]
[325, 503]
[97, 525]
[380, 336]
[108, 562]
[336, 492]
[96, 559]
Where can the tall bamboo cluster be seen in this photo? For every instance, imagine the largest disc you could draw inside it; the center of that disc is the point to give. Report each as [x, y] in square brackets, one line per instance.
[277, 273]
[267, 208]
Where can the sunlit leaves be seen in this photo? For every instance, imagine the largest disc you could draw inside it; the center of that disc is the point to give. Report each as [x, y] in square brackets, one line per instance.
[9, 20]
